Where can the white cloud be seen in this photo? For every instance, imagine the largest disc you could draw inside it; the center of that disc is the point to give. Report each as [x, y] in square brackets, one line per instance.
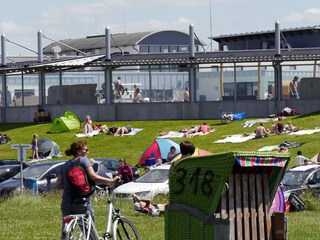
[181, 24]
[310, 15]
[13, 28]
[175, 2]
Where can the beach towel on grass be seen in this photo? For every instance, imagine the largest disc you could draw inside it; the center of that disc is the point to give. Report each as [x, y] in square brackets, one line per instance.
[172, 134]
[250, 123]
[91, 134]
[199, 133]
[269, 148]
[277, 147]
[238, 138]
[306, 131]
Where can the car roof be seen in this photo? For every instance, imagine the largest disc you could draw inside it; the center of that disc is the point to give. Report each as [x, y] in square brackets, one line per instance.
[48, 163]
[105, 159]
[305, 167]
[9, 166]
[9, 162]
[101, 158]
[163, 166]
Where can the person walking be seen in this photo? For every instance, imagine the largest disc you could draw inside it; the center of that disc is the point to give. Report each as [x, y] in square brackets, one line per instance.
[34, 147]
[78, 150]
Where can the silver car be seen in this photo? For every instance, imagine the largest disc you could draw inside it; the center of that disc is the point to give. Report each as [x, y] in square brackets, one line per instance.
[39, 177]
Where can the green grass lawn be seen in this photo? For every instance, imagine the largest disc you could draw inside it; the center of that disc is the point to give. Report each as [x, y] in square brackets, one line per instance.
[26, 217]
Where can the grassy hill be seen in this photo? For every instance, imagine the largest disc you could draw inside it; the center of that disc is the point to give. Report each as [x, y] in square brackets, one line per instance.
[23, 217]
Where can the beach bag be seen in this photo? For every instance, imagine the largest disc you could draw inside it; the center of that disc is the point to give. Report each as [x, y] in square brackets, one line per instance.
[81, 186]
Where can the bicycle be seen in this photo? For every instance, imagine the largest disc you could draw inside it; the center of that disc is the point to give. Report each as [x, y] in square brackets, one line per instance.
[81, 226]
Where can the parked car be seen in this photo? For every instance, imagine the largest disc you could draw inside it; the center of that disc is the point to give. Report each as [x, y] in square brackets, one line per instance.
[8, 171]
[300, 178]
[150, 185]
[44, 173]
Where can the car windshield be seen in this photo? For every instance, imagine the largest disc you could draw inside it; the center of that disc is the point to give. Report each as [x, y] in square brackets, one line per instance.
[295, 178]
[34, 171]
[154, 176]
[3, 170]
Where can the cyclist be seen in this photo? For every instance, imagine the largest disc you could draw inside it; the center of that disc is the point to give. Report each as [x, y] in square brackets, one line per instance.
[78, 150]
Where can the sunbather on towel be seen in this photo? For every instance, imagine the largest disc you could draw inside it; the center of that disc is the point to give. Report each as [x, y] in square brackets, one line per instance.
[145, 206]
[202, 129]
[123, 130]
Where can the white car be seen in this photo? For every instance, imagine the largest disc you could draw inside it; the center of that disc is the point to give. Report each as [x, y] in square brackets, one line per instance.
[148, 186]
[298, 179]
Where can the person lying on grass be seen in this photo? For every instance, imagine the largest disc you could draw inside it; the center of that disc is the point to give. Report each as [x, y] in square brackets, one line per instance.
[145, 206]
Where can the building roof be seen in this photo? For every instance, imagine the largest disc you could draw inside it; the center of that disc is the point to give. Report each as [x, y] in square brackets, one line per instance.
[119, 39]
[268, 33]
[96, 42]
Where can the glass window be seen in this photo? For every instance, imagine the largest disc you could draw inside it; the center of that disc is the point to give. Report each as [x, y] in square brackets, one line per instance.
[154, 49]
[183, 49]
[144, 49]
[293, 67]
[224, 47]
[173, 48]
[164, 49]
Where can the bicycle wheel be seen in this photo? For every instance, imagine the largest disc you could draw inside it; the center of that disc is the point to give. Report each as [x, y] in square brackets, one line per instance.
[74, 230]
[123, 229]
[78, 229]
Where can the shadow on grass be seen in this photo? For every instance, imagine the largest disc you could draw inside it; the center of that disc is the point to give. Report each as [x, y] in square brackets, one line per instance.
[11, 126]
[307, 115]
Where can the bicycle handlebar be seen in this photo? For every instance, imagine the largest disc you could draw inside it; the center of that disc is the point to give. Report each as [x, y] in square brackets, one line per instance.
[107, 189]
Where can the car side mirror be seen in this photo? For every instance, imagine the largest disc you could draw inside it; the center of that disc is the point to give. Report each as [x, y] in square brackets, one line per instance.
[311, 182]
[51, 176]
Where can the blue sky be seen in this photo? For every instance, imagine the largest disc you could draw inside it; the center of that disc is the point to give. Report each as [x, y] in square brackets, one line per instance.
[79, 18]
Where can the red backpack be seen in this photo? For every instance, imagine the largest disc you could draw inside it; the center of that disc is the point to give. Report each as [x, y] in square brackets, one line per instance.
[81, 185]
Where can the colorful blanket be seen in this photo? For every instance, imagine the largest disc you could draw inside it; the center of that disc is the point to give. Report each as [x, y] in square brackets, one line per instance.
[247, 161]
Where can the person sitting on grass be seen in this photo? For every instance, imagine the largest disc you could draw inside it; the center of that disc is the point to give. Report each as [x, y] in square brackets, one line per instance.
[290, 127]
[87, 125]
[280, 126]
[261, 131]
[171, 154]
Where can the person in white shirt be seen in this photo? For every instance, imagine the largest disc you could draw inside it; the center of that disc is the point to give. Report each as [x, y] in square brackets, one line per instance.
[300, 159]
